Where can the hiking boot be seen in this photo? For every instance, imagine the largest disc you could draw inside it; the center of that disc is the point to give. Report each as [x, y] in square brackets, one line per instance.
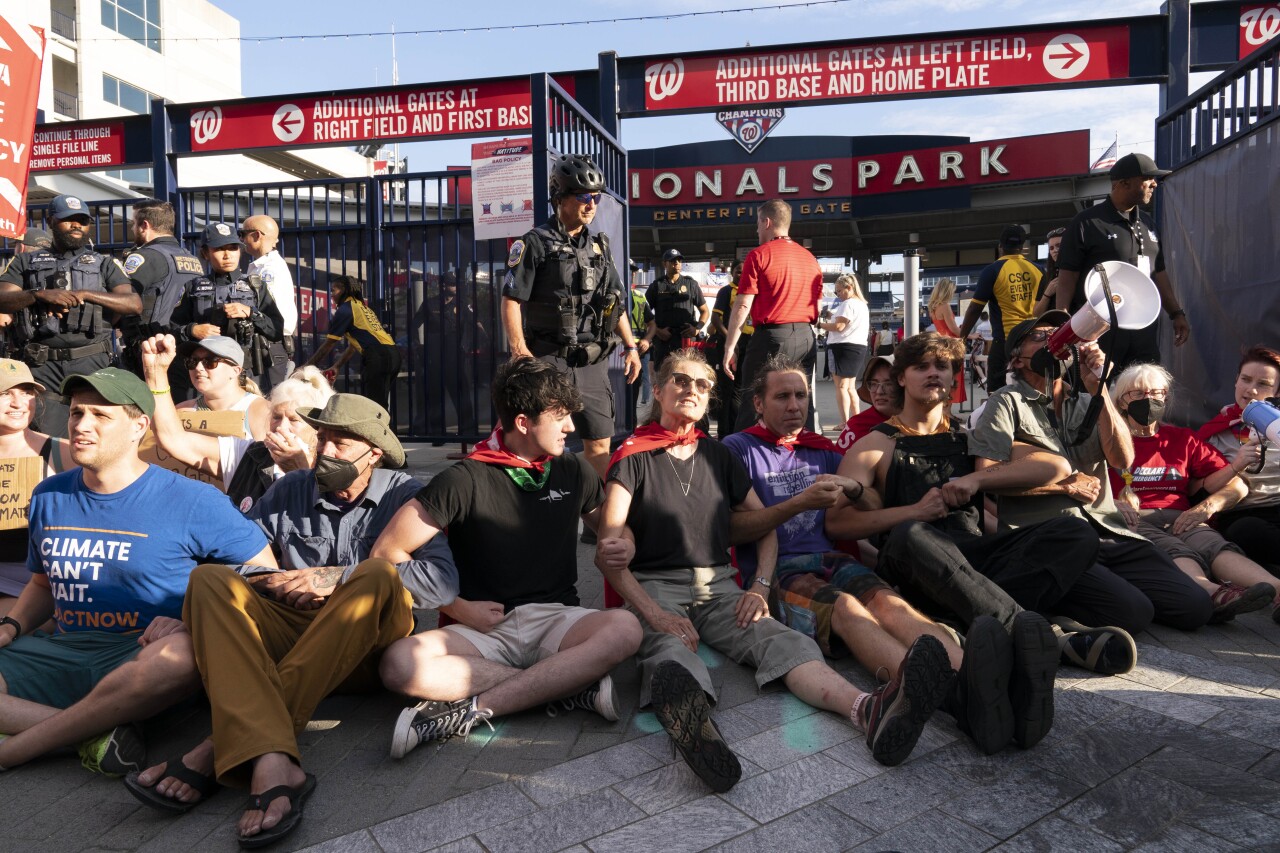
[895, 713]
[1107, 650]
[1230, 600]
[682, 708]
[1035, 664]
[114, 753]
[601, 697]
[432, 720]
[980, 695]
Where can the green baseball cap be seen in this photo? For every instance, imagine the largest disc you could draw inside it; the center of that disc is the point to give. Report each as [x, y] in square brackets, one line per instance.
[361, 417]
[115, 386]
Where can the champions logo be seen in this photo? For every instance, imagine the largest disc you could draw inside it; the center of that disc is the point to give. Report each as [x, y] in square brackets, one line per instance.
[750, 127]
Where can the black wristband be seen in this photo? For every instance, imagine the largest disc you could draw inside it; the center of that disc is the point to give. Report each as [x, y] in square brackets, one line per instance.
[861, 489]
[17, 626]
[1173, 315]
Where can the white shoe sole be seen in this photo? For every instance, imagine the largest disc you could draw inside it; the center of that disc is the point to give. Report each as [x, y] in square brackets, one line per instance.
[403, 738]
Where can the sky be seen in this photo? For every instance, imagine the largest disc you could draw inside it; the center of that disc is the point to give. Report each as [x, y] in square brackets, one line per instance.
[1126, 113]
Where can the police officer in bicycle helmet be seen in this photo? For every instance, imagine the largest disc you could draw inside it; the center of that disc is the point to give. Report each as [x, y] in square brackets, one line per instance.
[564, 303]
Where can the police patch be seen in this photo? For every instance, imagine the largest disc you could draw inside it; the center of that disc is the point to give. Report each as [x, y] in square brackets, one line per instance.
[223, 229]
[517, 254]
[246, 504]
[132, 263]
[89, 259]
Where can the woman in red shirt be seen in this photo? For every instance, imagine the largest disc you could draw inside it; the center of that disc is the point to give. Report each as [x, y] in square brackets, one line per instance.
[1154, 494]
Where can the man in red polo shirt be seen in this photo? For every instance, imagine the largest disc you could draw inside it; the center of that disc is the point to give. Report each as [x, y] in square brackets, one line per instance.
[780, 287]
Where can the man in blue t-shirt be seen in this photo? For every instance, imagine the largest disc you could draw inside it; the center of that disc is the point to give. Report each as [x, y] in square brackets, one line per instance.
[112, 545]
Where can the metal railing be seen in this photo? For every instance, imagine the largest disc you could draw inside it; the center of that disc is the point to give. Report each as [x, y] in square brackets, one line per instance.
[66, 103]
[63, 24]
[1237, 102]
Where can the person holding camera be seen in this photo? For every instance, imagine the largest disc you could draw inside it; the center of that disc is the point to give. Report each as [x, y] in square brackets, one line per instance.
[229, 303]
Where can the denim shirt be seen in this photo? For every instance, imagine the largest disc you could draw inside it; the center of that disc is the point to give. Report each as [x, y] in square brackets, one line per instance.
[307, 529]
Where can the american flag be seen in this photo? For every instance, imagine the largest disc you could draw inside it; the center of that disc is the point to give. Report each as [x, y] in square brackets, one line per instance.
[1107, 160]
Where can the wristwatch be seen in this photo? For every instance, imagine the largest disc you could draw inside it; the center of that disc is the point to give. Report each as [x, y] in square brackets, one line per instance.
[17, 626]
[764, 582]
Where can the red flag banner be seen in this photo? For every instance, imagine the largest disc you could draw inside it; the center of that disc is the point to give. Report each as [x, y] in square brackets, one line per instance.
[21, 55]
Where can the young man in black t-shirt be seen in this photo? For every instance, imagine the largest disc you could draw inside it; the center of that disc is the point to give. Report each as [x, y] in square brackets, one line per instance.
[517, 637]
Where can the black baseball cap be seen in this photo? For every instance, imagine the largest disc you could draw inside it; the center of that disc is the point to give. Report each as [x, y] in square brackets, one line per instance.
[219, 234]
[69, 207]
[1136, 166]
[1013, 235]
[672, 255]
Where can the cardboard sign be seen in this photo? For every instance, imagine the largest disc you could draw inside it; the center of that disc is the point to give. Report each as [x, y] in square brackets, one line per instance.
[229, 423]
[149, 451]
[213, 423]
[17, 478]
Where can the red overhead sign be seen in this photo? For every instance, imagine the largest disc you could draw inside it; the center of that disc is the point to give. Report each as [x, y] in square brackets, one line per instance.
[1023, 158]
[78, 145]
[1064, 54]
[1258, 25]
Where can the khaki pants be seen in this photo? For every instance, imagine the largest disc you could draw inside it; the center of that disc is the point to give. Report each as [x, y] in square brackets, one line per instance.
[266, 665]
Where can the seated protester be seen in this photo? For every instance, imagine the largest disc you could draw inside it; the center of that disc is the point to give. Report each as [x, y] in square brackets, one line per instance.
[1169, 465]
[844, 605]
[215, 366]
[120, 653]
[683, 497]
[518, 637]
[1134, 581]
[271, 645]
[1253, 523]
[877, 391]
[246, 467]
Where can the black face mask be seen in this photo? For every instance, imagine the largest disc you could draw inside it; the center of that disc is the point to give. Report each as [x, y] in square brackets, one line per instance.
[1044, 364]
[334, 475]
[1145, 411]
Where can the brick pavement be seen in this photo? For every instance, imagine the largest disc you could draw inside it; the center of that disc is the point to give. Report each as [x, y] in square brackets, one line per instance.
[1180, 754]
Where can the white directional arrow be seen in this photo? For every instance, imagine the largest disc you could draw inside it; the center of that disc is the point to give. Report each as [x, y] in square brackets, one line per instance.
[287, 123]
[1066, 56]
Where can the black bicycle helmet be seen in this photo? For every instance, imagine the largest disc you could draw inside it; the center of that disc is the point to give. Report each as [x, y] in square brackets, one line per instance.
[576, 173]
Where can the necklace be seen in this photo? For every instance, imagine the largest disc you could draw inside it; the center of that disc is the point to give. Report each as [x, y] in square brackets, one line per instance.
[683, 485]
[943, 426]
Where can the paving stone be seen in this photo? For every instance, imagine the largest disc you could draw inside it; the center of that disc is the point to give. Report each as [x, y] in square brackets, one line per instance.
[1239, 825]
[1268, 767]
[1201, 740]
[815, 829]
[670, 786]
[1211, 777]
[589, 773]
[690, 827]
[1173, 705]
[355, 842]
[462, 845]
[931, 831]
[1260, 730]
[898, 795]
[563, 824]
[796, 739]
[452, 819]
[1132, 807]
[1180, 838]
[775, 793]
[1053, 833]
[1094, 755]
[589, 742]
[1014, 801]
[775, 709]
[1198, 667]
[735, 725]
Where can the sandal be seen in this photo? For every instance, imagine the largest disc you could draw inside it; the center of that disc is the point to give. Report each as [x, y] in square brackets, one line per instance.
[1106, 651]
[259, 802]
[205, 786]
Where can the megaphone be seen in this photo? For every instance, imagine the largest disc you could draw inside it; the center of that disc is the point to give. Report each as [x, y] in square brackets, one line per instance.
[1264, 419]
[1136, 299]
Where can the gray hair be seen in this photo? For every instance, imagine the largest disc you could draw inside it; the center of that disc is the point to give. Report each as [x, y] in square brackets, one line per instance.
[306, 387]
[1149, 374]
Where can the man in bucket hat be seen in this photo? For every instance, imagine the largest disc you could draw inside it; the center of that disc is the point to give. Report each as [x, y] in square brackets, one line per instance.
[271, 645]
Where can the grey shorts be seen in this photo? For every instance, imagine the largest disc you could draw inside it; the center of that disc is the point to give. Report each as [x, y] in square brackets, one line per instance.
[1201, 543]
[595, 421]
[528, 634]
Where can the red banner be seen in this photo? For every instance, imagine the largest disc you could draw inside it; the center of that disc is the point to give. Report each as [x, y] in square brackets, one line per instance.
[1258, 25]
[1065, 54]
[19, 89]
[1023, 158]
[78, 145]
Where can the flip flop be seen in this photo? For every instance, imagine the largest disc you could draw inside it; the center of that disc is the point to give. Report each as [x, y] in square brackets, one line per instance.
[259, 802]
[205, 786]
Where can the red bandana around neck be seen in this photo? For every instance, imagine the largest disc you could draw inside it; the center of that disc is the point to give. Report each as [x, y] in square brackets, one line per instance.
[653, 436]
[804, 439]
[1227, 419]
[493, 451]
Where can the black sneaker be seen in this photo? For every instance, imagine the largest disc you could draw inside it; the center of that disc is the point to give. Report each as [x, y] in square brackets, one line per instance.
[682, 708]
[1035, 665]
[432, 720]
[601, 697]
[981, 705]
[895, 714]
[115, 753]
[1107, 650]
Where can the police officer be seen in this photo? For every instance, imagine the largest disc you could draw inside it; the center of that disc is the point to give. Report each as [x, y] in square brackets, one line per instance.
[65, 300]
[679, 308]
[160, 268]
[229, 303]
[563, 301]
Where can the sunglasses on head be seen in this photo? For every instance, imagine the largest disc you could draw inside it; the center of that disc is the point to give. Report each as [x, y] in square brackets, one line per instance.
[209, 362]
[587, 198]
[684, 382]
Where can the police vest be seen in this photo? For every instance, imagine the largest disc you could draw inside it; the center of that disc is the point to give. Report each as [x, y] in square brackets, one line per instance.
[569, 305]
[207, 295]
[78, 270]
[159, 300]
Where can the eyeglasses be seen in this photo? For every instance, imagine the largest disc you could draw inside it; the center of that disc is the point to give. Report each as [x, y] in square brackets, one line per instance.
[878, 387]
[255, 233]
[684, 382]
[588, 198]
[1153, 393]
[209, 362]
[1038, 335]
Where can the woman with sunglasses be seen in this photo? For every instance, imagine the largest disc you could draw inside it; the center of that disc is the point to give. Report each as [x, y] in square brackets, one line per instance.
[19, 403]
[215, 365]
[1170, 465]
[1254, 523]
[247, 467]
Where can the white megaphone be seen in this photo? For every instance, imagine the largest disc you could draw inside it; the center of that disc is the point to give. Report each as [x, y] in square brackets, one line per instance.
[1264, 419]
[1136, 299]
